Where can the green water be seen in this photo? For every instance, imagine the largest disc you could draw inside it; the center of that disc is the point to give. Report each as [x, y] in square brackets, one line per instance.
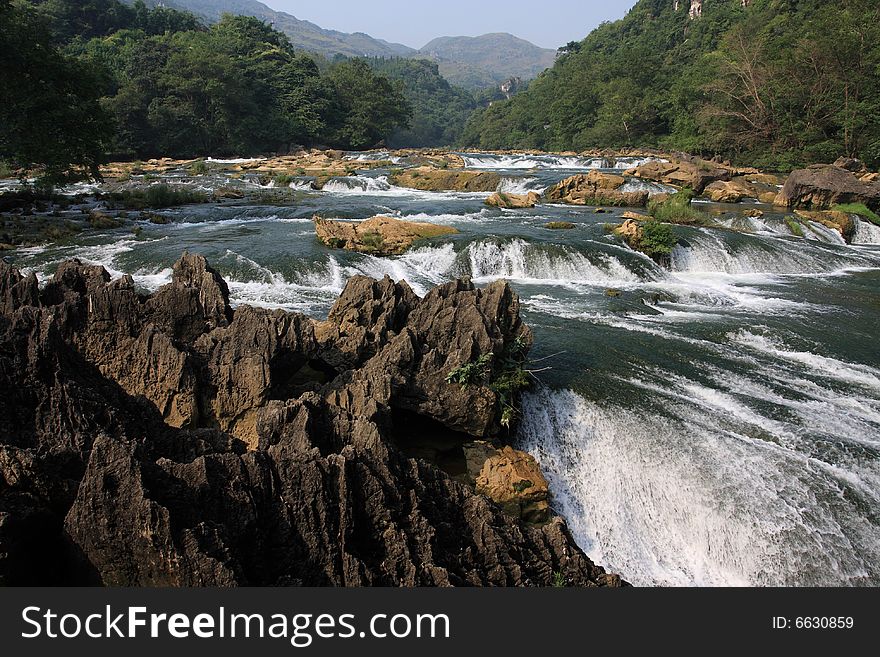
[716, 424]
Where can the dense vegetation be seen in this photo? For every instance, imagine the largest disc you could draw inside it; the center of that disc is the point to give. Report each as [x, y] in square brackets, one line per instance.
[85, 79]
[50, 118]
[780, 83]
[440, 110]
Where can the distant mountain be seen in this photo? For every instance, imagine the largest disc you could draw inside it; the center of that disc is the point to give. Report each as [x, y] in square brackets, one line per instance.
[303, 34]
[470, 62]
[487, 60]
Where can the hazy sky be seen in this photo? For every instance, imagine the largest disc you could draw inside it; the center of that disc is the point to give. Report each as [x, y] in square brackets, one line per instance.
[551, 23]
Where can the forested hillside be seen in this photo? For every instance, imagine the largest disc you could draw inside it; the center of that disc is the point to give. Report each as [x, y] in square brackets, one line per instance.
[777, 83]
[440, 110]
[84, 80]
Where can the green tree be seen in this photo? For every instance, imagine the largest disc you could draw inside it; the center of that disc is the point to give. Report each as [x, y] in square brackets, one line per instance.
[50, 117]
[365, 108]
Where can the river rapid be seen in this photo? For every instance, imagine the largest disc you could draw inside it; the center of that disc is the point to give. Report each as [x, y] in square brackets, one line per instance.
[714, 423]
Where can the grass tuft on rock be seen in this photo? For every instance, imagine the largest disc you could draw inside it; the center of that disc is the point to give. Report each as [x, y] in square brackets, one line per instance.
[794, 226]
[677, 209]
[156, 196]
[860, 209]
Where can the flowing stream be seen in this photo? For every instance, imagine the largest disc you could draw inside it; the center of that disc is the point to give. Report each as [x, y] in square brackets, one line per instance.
[714, 423]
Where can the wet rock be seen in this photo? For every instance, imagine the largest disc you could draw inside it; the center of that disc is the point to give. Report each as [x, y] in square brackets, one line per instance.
[820, 187]
[842, 222]
[514, 480]
[446, 180]
[380, 236]
[100, 220]
[513, 201]
[560, 225]
[595, 188]
[630, 231]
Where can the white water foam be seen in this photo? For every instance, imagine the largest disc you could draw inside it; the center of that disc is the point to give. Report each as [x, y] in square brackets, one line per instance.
[710, 253]
[817, 231]
[683, 500]
[379, 156]
[520, 186]
[358, 185]
[421, 268]
[640, 185]
[534, 161]
[824, 366]
[526, 263]
[866, 233]
[483, 216]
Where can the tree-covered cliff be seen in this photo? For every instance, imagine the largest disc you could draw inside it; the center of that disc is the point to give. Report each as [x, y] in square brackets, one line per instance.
[770, 82]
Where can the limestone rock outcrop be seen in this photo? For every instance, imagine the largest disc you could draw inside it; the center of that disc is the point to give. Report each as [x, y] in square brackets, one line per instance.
[170, 440]
[822, 186]
[737, 189]
[513, 201]
[695, 175]
[380, 236]
[446, 180]
[595, 188]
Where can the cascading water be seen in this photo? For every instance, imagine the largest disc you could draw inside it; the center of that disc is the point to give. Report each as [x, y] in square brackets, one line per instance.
[486, 161]
[713, 423]
[866, 232]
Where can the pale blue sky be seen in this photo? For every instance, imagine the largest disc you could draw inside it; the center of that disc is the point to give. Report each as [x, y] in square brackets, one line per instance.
[551, 23]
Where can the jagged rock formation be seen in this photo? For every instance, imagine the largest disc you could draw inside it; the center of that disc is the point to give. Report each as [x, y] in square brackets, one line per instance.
[169, 440]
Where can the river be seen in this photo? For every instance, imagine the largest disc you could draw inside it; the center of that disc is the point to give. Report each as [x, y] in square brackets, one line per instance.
[716, 423]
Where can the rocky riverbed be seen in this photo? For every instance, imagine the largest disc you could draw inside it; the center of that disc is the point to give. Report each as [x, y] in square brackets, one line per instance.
[703, 398]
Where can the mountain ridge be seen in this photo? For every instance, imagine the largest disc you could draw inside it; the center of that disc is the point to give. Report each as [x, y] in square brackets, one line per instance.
[471, 62]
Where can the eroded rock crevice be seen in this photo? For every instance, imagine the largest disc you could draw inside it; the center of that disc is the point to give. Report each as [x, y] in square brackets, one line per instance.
[171, 440]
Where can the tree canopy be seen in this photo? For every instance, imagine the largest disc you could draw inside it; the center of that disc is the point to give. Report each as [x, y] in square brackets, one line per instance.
[50, 118]
[82, 81]
[779, 83]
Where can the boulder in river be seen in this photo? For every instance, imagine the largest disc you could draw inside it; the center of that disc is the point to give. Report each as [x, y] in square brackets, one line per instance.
[822, 186]
[446, 180]
[693, 175]
[513, 201]
[595, 188]
[737, 189]
[380, 236]
[514, 480]
[101, 485]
